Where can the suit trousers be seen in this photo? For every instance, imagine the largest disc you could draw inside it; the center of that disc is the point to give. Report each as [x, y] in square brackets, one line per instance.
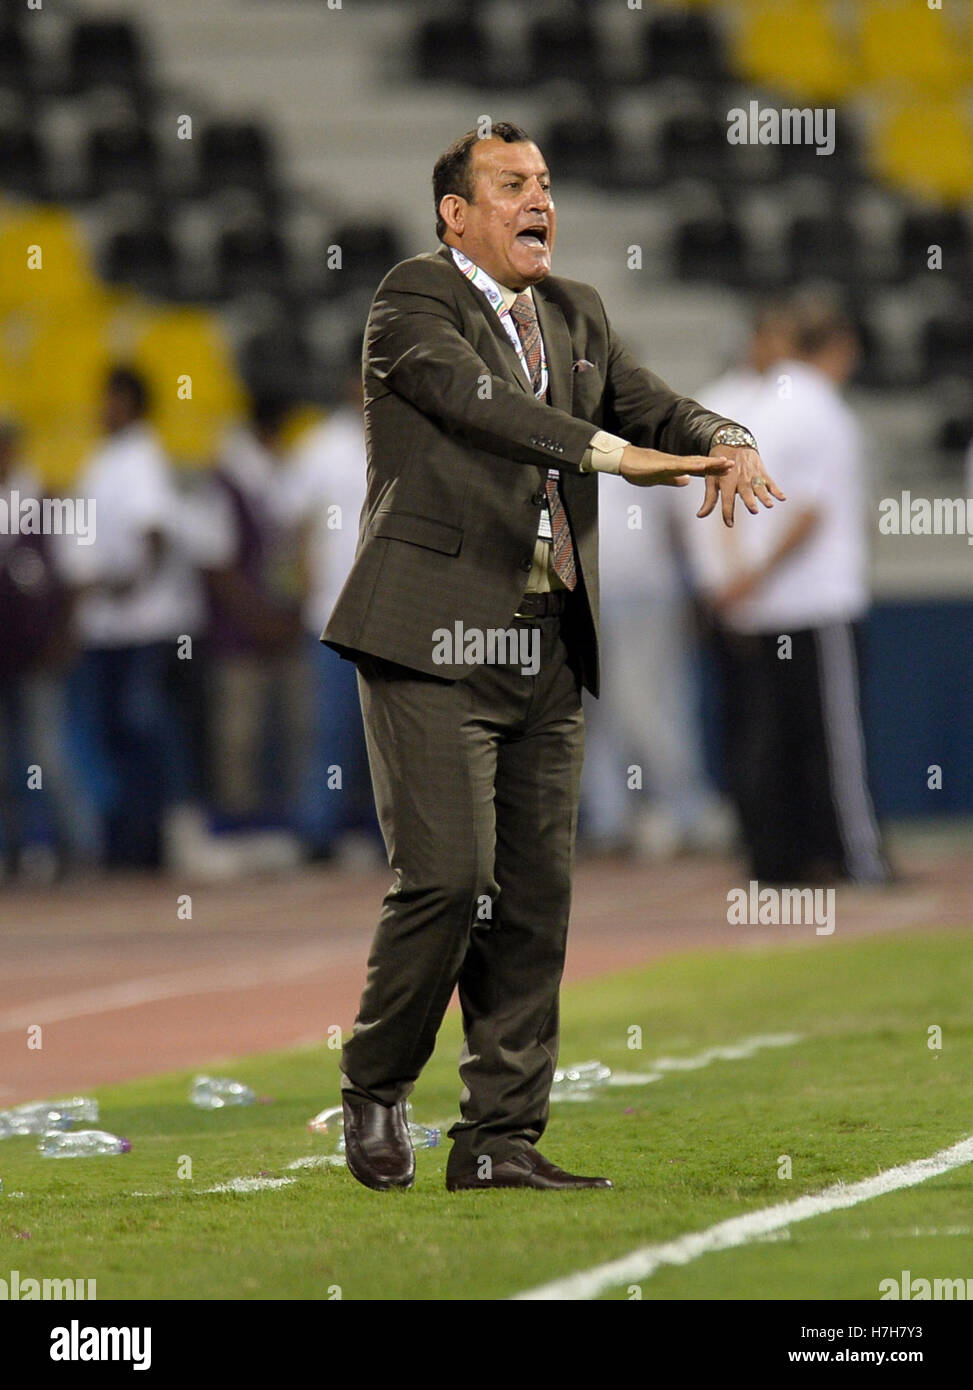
[476, 786]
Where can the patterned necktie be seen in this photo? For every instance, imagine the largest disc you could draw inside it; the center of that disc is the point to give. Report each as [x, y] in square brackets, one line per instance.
[524, 316]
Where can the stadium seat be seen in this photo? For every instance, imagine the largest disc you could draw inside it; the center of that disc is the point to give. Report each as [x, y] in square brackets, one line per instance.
[712, 247]
[236, 154]
[145, 258]
[946, 228]
[824, 246]
[369, 250]
[694, 145]
[947, 345]
[451, 48]
[23, 159]
[796, 47]
[683, 44]
[566, 45]
[189, 342]
[106, 53]
[65, 276]
[124, 157]
[16, 57]
[252, 257]
[278, 362]
[581, 144]
[928, 150]
[902, 42]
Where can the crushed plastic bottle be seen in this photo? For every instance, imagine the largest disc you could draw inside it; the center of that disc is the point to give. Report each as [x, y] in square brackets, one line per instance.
[330, 1124]
[216, 1092]
[82, 1143]
[40, 1116]
[580, 1082]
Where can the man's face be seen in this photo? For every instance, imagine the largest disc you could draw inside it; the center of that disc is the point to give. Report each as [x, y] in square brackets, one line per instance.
[510, 226]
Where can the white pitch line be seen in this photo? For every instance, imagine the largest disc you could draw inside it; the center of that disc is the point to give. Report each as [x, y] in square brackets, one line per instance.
[741, 1230]
[731, 1052]
[246, 1185]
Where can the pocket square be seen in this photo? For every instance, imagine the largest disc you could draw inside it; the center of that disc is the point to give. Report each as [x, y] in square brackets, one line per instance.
[582, 365]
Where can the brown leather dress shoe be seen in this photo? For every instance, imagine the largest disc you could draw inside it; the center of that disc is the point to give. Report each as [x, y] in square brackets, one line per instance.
[526, 1169]
[378, 1149]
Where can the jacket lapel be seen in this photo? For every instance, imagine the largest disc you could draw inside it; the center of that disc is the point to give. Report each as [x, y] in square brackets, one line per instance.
[557, 345]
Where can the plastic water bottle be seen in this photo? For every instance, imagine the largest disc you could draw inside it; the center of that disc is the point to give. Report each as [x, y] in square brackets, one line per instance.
[82, 1143]
[216, 1092]
[40, 1116]
[579, 1082]
[330, 1124]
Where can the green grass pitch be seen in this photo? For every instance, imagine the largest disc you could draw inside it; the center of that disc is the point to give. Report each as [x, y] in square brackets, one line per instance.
[860, 1092]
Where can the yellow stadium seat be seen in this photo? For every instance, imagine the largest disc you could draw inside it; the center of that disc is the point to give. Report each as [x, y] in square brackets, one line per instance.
[797, 47]
[65, 364]
[927, 149]
[43, 259]
[56, 452]
[184, 350]
[905, 41]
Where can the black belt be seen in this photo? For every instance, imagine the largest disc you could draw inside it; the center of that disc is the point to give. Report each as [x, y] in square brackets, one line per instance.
[543, 605]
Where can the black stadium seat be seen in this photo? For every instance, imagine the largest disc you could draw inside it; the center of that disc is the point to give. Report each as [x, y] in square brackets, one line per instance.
[252, 257]
[580, 145]
[369, 250]
[451, 48]
[235, 154]
[144, 257]
[23, 160]
[564, 46]
[693, 145]
[824, 247]
[683, 44]
[16, 59]
[946, 228]
[122, 157]
[106, 52]
[947, 345]
[712, 247]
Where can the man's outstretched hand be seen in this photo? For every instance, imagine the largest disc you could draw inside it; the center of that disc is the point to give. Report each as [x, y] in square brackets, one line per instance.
[746, 478]
[726, 470]
[650, 468]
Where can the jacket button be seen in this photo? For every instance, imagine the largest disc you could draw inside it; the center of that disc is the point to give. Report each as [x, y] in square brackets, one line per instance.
[526, 563]
[538, 498]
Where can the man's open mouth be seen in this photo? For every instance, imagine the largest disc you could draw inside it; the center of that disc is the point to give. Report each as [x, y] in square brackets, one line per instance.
[534, 236]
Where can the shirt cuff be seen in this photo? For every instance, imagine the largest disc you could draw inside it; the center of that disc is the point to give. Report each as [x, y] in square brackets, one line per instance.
[604, 453]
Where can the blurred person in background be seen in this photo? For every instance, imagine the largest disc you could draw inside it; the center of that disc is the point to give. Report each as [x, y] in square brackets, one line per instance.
[140, 599]
[257, 672]
[644, 788]
[323, 495]
[36, 652]
[788, 600]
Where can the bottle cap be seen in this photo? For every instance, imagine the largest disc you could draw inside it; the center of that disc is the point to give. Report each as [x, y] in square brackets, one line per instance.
[125, 1146]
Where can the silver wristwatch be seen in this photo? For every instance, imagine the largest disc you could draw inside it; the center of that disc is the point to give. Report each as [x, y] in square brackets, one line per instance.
[735, 436]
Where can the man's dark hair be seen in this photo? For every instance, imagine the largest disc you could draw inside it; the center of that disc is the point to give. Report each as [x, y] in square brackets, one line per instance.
[268, 413]
[125, 381]
[453, 172]
[820, 316]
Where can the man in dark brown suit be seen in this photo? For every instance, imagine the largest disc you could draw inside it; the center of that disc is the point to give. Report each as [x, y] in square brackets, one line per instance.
[494, 394]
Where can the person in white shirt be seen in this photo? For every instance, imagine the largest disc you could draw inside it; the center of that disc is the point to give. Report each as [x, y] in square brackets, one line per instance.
[257, 666]
[139, 595]
[322, 494]
[644, 789]
[789, 599]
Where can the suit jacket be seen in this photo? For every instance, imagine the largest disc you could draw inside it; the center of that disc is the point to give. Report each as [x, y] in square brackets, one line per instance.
[458, 453]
